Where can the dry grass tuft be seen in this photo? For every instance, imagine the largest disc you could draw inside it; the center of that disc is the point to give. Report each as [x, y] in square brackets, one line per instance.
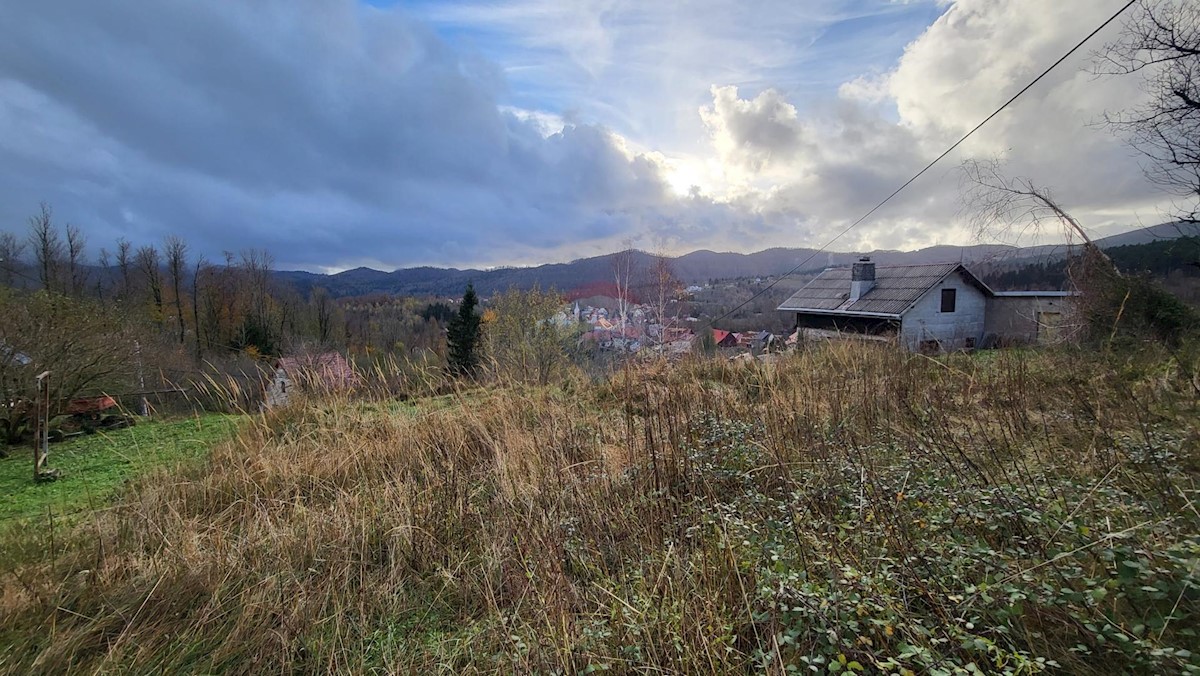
[847, 508]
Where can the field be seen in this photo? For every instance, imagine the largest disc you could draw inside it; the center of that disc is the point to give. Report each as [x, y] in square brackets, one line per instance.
[847, 509]
[94, 466]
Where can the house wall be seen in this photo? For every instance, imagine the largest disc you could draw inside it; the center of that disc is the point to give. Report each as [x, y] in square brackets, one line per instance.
[279, 389]
[1014, 320]
[951, 330]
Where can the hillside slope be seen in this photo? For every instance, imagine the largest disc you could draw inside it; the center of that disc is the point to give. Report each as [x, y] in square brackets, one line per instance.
[1009, 512]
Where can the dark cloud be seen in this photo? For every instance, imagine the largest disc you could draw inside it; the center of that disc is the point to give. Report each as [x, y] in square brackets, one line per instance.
[329, 132]
[336, 134]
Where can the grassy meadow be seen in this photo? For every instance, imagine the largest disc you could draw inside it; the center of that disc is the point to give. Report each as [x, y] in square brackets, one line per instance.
[848, 508]
[94, 466]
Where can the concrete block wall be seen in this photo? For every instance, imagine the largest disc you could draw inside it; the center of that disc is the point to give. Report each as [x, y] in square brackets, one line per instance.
[952, 330]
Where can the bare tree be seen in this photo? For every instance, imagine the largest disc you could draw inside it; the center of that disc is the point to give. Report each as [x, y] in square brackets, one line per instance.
[1111, 302]
[86, 348]
[622, 264]
[665, 288]
[1161, 44]
[149, 263]
[1013, 208]
[11, 250]
[201, 268]
[76, 269]
[324, 307]
[259, 329]
[124, 265]
[219, 294]
[176, 251]
[104, 260]
[47, 247]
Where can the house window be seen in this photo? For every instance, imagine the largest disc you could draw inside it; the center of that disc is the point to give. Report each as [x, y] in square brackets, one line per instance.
[948, 298]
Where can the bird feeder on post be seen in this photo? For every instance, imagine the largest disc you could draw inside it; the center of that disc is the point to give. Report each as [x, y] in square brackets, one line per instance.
[41, 444]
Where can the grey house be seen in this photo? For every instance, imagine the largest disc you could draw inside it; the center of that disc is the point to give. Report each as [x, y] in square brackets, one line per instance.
[936, 307]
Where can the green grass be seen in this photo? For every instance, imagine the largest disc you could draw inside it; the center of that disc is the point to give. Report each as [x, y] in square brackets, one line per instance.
[93, 467]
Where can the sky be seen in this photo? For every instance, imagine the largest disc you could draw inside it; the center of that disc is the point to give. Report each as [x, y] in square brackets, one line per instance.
[341, 133]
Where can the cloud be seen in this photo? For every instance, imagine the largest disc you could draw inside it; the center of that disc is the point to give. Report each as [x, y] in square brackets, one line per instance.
[883, 127]
[845, 102]
[643, 68]
[330, 132]
[979, 53]
[869, 89]
[336, 134]
[756, 133]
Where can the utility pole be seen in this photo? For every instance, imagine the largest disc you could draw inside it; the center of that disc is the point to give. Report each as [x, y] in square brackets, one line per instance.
[41, 443]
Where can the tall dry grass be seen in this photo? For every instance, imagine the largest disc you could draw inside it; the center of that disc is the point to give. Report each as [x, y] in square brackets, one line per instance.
[847, 508]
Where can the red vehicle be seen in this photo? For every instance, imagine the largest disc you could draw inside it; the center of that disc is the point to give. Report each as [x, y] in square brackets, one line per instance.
[90, 405]
[88, 414]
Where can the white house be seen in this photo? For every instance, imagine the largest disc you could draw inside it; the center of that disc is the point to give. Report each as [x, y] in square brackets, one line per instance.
[936, 307]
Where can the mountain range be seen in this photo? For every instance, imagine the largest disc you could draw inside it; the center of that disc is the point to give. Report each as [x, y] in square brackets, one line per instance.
[696, 267]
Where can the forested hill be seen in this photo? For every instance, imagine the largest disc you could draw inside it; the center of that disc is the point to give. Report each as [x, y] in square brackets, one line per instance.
[694, 268]
[1174, 261]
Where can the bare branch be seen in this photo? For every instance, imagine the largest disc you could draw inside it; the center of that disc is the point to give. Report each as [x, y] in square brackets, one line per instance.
[1160, 44]
[1011, 208]
[47, 247]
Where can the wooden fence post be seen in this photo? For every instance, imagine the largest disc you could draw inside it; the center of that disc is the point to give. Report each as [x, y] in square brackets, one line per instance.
[41, 443]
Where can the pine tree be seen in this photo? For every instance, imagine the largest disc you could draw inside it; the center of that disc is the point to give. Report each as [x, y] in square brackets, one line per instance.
[463, 335]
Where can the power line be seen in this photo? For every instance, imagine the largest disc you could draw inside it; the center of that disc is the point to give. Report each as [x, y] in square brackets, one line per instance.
[23, 275]
[929, 166]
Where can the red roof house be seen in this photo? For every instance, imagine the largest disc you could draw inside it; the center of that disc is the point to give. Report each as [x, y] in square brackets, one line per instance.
[725, 338]
[324, 372]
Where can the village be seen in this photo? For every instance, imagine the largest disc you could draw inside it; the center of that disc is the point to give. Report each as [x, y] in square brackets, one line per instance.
[639, 329]
[930, 308]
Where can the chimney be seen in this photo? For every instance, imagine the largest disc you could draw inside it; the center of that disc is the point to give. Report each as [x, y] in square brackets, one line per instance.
[862, 278]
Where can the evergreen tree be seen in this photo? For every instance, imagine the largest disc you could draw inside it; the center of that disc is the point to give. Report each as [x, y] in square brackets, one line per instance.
[463, 335]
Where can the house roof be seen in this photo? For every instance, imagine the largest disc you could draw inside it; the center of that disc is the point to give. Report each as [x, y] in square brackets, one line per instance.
[719, 335]
[330, 368]
[896, 288]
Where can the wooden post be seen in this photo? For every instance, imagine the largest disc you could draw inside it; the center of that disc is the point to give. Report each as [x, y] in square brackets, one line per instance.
[144, 407]
[41, 443]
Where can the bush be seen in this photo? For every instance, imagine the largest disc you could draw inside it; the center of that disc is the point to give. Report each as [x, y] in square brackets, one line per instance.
[1131, 307]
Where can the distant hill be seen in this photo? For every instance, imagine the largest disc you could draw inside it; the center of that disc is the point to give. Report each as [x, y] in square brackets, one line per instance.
[1151, 234]
[695, 267]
